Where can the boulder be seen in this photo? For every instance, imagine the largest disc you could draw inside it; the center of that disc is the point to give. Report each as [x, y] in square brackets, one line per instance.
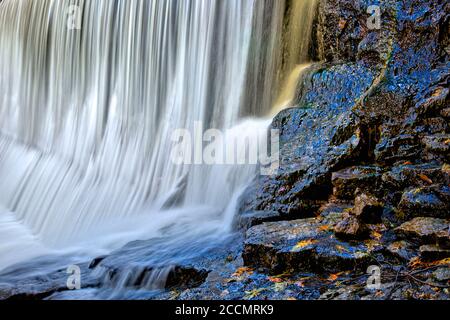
[350, 228]
[402, 250]
[368, 209]
[426, 230]
[300, 246]
[438, 145]
[347, 181]
[432, 201]
[408, 175]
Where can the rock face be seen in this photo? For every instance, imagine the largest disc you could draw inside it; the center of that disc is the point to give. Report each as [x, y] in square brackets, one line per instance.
[370, 131]
[363, 180]
[301, 245]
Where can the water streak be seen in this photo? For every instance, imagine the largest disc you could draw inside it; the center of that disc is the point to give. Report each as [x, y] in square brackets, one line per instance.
[86, 114]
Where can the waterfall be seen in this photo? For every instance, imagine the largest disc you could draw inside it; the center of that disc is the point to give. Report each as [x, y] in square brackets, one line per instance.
[90, 94]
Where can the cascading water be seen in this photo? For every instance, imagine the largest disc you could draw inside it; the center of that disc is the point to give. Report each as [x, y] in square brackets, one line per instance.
[87, 114]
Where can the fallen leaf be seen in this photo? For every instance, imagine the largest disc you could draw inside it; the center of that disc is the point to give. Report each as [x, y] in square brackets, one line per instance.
[341, 248]
[407, 163]
[275, 279]
[376, 235]
[425, 178]
[303, 244]
[441, 262]
[437, 93]
[333, 277]
[324, 228]
[240, 271]
[371, 244]
[342, 23]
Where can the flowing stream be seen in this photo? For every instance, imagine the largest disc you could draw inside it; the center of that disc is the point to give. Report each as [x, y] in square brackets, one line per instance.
[91, 92]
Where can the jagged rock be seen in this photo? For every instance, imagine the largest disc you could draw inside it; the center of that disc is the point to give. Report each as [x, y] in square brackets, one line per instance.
[335, 207]
[409, 175]
[346, 181]
[431, 252]
[368, 209]
[350, 228]
[310, 150]
[402, 250]
[343, 33]
[438, 145]
[301, 245]
[426, 230]
[400, 148]
[434, 125]
[251, 219]
[432, 201]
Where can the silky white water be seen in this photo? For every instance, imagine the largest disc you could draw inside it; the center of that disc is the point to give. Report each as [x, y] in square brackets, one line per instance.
[87, 114]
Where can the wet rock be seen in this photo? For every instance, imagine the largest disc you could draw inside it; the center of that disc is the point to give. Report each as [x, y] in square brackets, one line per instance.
[426, 230]
[310, 150]
[301, 245]
[402, 250]
[251, 219]
[399, 148]
[343, 33]
[433, 201]
[431, 252]
[39, 279]
[438, 145]
[432, 126]
[350, 228]
[346, 181]
[442, 274]
[334, 207]
[368, 209]
[420, 175]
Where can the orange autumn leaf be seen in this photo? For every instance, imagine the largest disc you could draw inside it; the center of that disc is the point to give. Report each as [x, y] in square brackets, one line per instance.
[303, 244]
[333, 277]
[437, 93]
[275, 279]
[240, 271]
[379, 294]
[324, 228]
[407, 163]
[341, 248]
[376, 235]
[441, 262]
[425, 178]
